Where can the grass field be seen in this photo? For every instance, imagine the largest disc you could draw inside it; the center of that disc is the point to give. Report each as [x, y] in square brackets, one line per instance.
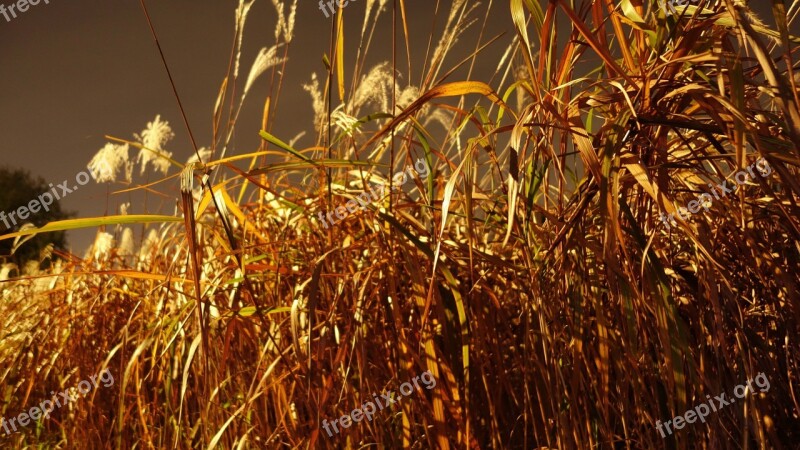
[530, 270]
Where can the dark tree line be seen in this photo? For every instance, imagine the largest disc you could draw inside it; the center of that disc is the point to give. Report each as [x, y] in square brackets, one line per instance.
[18, 187]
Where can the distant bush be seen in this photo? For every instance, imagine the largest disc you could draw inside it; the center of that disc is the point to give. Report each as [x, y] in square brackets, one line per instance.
[17, 188]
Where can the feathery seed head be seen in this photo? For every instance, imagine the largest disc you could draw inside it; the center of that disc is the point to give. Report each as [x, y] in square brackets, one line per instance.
[109, 161]
[150, 246]
[157, 134]
[266, 58]
[126, 245]
[285, 26]
[205, 155]
[375, 86]
[103, 244]
[318, 104]
[241, 17]
[370, 5]
[344, 121]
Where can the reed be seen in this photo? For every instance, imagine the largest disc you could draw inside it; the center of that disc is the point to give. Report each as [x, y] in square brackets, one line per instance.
[529, 271]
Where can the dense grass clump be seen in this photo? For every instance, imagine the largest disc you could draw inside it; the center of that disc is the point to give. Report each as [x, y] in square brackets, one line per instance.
[528, 270]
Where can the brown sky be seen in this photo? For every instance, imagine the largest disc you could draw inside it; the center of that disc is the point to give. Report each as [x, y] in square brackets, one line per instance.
[72, 71]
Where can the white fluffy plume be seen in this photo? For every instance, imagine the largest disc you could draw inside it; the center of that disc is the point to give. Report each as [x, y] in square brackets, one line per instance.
[266, 58]
[154, 138]
[109, 162]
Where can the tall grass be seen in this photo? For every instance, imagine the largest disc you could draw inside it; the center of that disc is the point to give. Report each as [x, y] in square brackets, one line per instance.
[529, 272]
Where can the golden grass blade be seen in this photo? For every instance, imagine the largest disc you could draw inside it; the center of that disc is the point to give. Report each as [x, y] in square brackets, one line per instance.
[279, 143]
[518, 16]
[295, 165]
[340, 53]
[590, 39]
[454, 89]
[75, 224]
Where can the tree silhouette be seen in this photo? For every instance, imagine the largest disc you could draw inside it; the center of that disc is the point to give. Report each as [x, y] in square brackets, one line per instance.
[18, 187]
